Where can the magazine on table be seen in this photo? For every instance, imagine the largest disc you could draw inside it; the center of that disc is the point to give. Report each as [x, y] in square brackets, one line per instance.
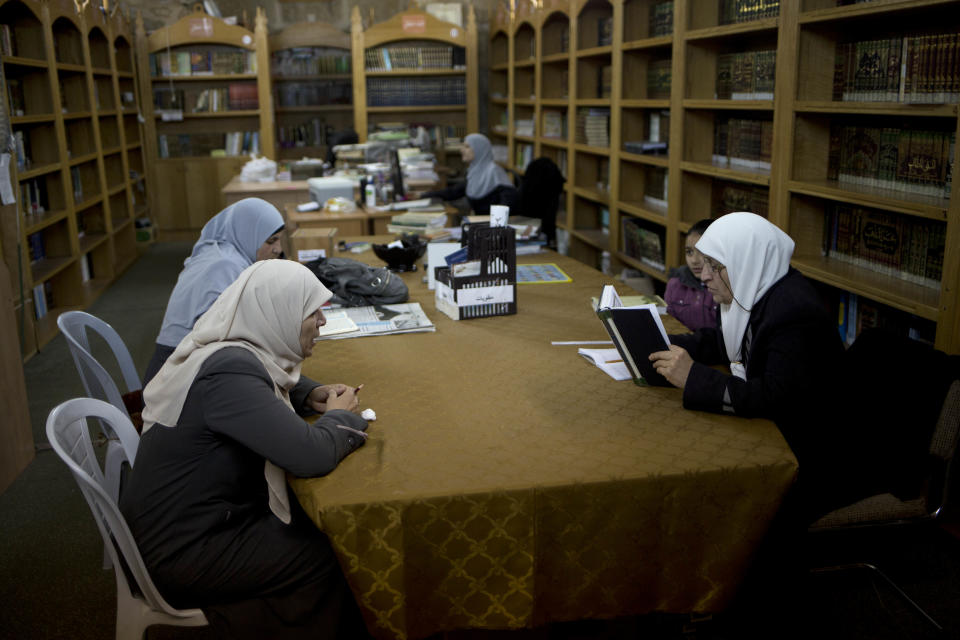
[378, 320]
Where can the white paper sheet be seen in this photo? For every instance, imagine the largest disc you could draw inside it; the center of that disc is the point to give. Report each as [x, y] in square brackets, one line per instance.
[608, 361]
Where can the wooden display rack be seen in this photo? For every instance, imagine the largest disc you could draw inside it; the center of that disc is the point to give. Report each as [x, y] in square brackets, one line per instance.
[73, 70]
[191, 183]
[607, 185]
[336, 116]
[414, 26]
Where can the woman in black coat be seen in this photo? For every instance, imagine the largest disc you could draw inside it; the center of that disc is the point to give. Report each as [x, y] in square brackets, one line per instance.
[781, 345]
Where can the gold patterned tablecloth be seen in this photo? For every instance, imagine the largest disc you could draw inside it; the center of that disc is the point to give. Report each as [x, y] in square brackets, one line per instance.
[508, 483]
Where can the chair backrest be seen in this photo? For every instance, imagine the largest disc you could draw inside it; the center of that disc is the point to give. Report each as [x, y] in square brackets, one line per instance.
[97, 382]
[69, 437]
[943, 449]
[540, 193]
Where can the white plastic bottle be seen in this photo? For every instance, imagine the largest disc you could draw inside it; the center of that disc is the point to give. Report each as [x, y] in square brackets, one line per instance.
[371, 194]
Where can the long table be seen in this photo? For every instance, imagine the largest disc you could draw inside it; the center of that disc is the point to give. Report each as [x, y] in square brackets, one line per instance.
[509, 483]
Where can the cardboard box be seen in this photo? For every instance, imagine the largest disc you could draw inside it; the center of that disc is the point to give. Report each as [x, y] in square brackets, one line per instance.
[312, 239]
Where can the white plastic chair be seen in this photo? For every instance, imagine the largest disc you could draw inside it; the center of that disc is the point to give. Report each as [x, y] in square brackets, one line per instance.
[97, 382]
[69, 437]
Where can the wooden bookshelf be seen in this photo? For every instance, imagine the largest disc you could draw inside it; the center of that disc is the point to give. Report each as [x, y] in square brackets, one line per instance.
[212, 81]
[71, 232]
[312, 78]
[705, 98]
[441, 94]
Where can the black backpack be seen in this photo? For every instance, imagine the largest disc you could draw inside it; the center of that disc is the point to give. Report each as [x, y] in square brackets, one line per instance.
[355, 284]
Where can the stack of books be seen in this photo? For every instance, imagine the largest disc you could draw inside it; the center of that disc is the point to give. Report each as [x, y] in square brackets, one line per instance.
[423, 223]
[593, 127]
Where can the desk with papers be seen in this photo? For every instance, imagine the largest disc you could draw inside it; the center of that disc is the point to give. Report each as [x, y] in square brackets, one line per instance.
[509, 483]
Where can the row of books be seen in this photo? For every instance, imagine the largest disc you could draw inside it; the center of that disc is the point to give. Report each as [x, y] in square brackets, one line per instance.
[238, 96]
[86, 268]
[658, 135]
[605, 31]
[727, 197]
[15, 96]
[911, 69]
[42, 299]
[33, 196]
[415, 55]
[36, 247]
[233, 143]
[524, 127]
[207, 62]
[644, 241]
[21, 146]
[895, 245]
[734, 11]
[523, 156]
[742, 143]
[313, 133]
[406, 92]
[424, 224]
[554, 124]
[309, 61]
[441, 135]
[77, 181]
[905, 160]
[659, 78]
[313, 93]
[593, 126]
[746, 75]
[8, 40]
[661, 18]
[605, 81]
[856, 313]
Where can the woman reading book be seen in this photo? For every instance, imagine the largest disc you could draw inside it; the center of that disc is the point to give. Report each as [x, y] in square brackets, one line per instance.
[780, 343]
[486, 184]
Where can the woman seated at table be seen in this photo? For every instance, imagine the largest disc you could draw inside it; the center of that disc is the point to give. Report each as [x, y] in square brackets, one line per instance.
[232, 240]
[780, 343]
[207, 500]
[486, 184]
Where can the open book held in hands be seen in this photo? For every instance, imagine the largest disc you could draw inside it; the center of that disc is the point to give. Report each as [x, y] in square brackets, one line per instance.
[636, 333]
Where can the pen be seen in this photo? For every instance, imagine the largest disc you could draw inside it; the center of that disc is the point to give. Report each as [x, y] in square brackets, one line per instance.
[357, 390]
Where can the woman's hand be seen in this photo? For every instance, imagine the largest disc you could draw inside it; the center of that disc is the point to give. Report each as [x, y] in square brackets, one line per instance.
[673, 364]
[347, 400]
[319, 398]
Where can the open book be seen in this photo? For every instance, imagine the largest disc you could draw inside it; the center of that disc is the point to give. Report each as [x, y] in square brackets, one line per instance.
[636, 333]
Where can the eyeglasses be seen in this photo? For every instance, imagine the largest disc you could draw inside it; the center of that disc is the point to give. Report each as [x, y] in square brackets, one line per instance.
[713, 265]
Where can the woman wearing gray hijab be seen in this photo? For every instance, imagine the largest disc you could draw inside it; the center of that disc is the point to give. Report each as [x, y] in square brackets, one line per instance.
[235, 238]
[486, 184]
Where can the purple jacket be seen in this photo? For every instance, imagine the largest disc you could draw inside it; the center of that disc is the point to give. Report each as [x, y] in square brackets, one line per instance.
[689, 301]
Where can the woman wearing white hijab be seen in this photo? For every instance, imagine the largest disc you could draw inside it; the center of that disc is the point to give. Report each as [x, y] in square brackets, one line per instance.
[235, 238]
[775, 333]
[486, 184]
[207, 499]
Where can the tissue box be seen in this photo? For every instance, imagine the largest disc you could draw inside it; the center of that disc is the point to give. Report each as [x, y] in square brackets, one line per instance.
[322, 189]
